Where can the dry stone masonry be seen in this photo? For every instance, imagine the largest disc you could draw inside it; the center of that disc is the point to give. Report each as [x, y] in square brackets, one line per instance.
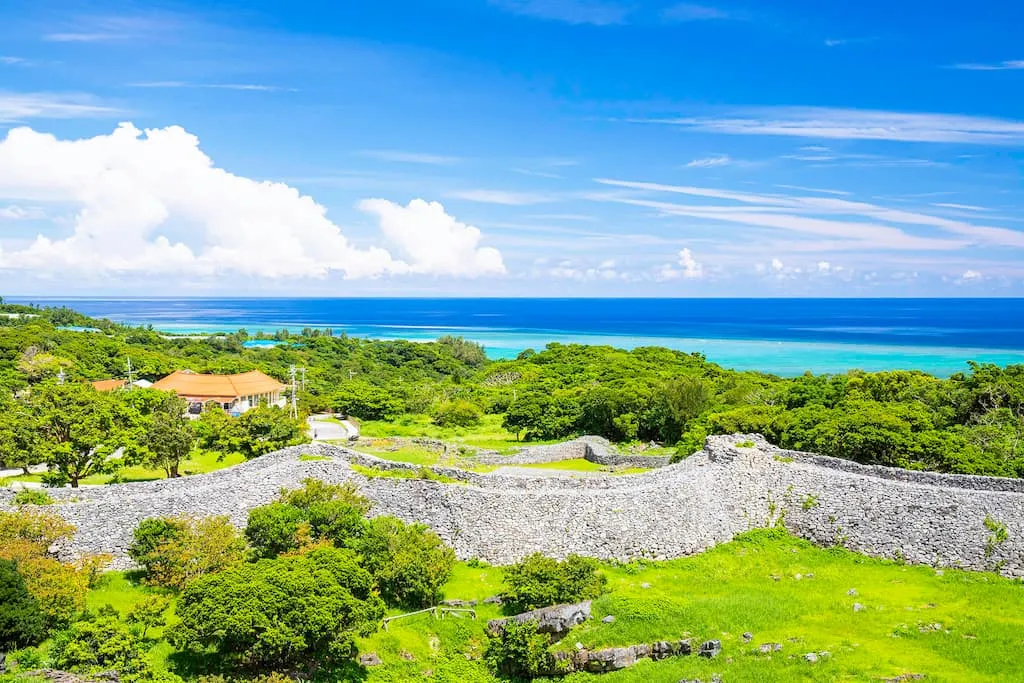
[673, 511]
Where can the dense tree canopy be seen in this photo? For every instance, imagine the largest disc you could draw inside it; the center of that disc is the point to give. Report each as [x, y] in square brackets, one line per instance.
[972, 422]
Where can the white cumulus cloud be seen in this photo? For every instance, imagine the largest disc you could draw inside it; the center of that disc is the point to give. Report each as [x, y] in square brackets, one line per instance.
[432, 241]
[153, 203]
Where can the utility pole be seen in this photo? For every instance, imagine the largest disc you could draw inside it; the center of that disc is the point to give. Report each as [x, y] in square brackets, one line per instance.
[60, 376]
[295, 407]
[131, 381]
[303, 371]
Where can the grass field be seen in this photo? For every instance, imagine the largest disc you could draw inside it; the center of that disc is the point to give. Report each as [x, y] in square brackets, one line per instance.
[950, 626]
[200, 462]
[489, 434]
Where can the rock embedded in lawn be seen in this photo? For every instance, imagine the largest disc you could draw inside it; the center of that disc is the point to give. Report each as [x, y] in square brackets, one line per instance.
[370, 659]
[608, 619]
[710, 648]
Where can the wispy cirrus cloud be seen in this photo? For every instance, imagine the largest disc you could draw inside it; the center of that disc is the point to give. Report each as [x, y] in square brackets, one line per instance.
[592, 12]
[856, 124]
[106, 29]
[501, 197]
[1007, 65]
[404, 157]
[803, 214]
[257, 87]
[710, 162]
[15, 107]
[688, 11]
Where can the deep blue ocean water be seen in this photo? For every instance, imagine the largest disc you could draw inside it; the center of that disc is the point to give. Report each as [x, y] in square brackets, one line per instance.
[782, 336]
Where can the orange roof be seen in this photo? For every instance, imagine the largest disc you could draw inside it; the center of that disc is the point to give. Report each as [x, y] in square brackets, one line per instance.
[222, 388]
[108, 384]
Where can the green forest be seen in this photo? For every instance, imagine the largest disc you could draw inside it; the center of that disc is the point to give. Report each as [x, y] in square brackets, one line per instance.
[972, 422]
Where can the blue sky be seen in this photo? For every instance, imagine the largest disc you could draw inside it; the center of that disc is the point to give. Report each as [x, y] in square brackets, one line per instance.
[512, 147]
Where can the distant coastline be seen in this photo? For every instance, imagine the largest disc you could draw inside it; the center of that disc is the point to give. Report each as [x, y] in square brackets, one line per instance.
[780, 336]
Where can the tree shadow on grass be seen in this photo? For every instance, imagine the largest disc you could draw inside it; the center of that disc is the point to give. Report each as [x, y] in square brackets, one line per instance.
[191, 665]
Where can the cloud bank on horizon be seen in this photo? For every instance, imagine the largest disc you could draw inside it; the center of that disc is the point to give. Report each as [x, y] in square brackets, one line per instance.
[652, 148]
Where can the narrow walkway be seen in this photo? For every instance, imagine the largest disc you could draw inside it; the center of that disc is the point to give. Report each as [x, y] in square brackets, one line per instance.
[329, 428]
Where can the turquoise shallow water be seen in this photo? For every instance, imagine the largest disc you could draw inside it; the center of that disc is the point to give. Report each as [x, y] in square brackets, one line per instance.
[781, 336]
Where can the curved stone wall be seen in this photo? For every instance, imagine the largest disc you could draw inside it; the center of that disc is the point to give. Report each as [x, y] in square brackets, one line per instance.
[670, 512]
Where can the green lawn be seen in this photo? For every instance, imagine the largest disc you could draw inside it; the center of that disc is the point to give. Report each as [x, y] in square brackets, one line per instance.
[200, 462]
[750, 585]
[488, 435]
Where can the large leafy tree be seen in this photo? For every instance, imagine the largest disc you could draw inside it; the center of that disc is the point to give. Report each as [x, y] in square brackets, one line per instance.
[169, 435]
[283, 612]
[19, 434]
[79, 429]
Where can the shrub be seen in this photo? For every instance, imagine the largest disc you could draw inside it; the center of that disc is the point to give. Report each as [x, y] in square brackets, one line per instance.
[99, 643]
[539, 581]
[409, 561]
[32, 497]
[274, 529]
[60, 589]
[280, 612]
[148, 613]
[176, 550]
[520, 651]
[458, 413]
[22, 621]
[315, 512]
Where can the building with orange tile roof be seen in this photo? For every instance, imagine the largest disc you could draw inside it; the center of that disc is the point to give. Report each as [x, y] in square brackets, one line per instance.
[235, 393]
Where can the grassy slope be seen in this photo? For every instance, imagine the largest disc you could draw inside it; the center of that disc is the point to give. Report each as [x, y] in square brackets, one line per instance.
[731, 589]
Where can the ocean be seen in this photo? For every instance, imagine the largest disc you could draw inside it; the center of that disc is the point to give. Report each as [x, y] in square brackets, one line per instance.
[781, 336]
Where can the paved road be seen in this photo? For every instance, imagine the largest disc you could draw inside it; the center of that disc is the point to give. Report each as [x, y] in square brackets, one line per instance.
[35, 469]
[324, 428]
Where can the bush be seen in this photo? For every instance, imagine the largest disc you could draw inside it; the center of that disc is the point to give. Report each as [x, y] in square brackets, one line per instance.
[409, 561]
[22, 621]
[274, 529]
[314, 513]
[279, 613]
[520, 651]
[458, 414]
[176, 550]
[32, 497]
[540, 581]
[99, 643]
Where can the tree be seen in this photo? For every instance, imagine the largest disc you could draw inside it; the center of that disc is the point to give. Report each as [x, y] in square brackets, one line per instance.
[148, 613]
[410, 562]
[274, 529]
[319, 511]
[457, 413]
[169, 436]
[22, 622]
[176, 550]
[19, 434]
[79, 428]
[280, 613]
[267, 429]
[519, 651]
[539, 581]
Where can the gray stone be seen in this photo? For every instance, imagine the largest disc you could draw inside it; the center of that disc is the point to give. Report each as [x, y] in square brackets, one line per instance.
[370, 659]
[923, 517]
[747, 636]
[852, 592]
[857, 607]
[811, 657]
[685, 647]
[768, 648]
[645, 585]
[555, 620]
[608, 619]
[710, 648]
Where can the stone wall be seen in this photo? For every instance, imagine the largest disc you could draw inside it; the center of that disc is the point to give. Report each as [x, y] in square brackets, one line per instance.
[592, 448]
[670, 512]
